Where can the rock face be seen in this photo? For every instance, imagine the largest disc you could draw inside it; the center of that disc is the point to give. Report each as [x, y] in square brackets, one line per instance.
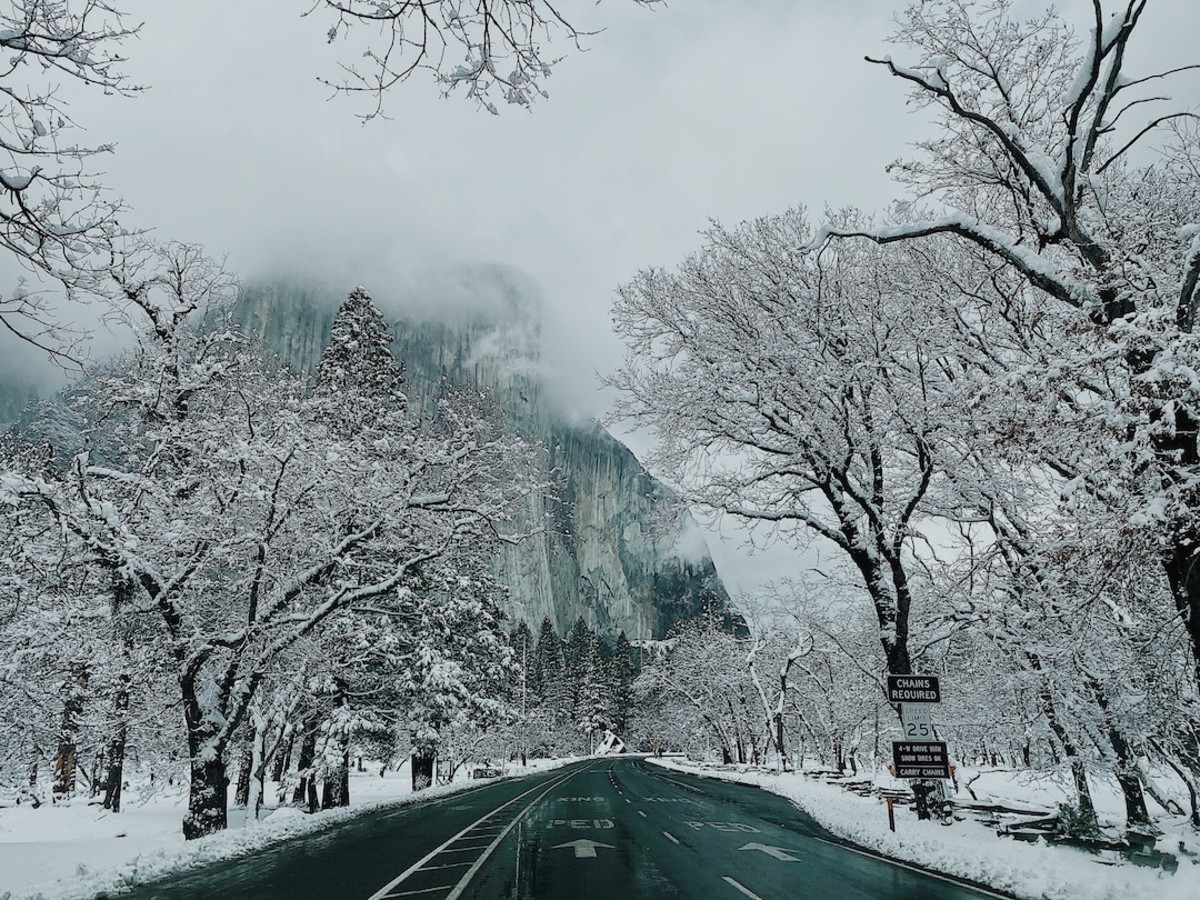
[615, 547]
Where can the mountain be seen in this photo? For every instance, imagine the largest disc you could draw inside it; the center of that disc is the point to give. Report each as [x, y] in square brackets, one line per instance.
[617, 548]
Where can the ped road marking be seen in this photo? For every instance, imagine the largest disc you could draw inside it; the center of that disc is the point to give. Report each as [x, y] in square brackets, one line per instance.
[602, 824]
[584, 849]
[741, 887]
[727, 827]
[388, 890]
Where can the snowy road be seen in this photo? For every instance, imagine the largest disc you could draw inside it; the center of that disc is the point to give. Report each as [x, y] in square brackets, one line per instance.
[618, 828]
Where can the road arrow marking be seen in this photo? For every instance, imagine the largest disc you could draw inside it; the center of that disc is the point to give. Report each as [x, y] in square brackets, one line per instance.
[777, 852]
[584, 849]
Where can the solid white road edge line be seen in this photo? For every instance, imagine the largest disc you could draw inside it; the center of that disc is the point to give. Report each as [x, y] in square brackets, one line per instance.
[895, 862]
[745, 890]
[466, 879]
[387, 888]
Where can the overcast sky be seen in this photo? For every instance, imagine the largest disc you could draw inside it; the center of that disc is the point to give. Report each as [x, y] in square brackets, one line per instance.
[705, 108]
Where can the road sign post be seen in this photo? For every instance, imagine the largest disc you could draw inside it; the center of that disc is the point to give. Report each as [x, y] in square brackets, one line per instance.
[919, 756]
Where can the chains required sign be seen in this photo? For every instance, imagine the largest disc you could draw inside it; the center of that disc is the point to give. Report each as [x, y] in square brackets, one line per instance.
[913, 689]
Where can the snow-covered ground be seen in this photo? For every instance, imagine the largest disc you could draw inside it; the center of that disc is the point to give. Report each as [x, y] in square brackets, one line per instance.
[970, 850]
[76, 849]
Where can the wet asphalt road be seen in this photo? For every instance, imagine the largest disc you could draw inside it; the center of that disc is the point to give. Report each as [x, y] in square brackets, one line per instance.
[617, 829]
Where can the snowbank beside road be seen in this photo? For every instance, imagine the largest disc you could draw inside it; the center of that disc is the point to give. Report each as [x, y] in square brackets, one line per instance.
[75, 850]
[967, 849]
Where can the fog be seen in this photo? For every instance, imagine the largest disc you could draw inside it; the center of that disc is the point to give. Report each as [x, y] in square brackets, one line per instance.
[721, 109]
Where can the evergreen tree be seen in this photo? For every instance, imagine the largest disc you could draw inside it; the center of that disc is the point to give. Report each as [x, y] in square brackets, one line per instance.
[591, 712]
[358, 358]
[549, 681]
[576, 651]
[524, 652]
[624, 671]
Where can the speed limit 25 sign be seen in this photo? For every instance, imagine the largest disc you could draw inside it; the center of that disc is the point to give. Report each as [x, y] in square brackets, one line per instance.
[916, 721]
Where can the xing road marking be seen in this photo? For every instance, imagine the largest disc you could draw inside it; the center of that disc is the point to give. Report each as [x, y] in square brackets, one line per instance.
[671, 837]
[777, 852]
[389, 889]
[584, 849]
[745, 890]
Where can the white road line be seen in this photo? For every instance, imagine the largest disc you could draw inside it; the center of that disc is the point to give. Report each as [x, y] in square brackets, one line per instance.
[642, 814]
[466, 879]
[671, 837]
[440, 887]
[900, 865]
[745, 890]
[387, 888]
[680, 784]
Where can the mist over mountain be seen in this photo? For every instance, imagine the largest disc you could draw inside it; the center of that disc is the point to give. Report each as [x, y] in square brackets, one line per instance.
[615, 547]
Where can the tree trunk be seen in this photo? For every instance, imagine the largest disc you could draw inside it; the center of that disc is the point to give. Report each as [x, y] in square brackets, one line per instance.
[306, 787]
[1137, 816]
[258, 766]
[422, 768]
[336, 790]
[66, 759]
[1188, 780]
[241, 795]
[1087, 809]
[207, 812]
[116, 748]
[1182, 560]
[283, 756]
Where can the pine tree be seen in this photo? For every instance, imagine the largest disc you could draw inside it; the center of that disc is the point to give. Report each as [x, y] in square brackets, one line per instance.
[525, 652]
[551, 687]
[624, 670]
[576, 651]
[358, 358]
[592, 711]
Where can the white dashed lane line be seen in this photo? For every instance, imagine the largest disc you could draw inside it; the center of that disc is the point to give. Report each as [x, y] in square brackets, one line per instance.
[671, 837]
[745, 890]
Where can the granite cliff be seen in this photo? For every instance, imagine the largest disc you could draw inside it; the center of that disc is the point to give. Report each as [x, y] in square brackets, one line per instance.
[616, 548]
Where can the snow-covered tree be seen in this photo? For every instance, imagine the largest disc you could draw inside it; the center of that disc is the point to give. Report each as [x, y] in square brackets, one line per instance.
[809, 396]
[242, 519]
[1035, 165]
[55, 215]
[503, 46]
